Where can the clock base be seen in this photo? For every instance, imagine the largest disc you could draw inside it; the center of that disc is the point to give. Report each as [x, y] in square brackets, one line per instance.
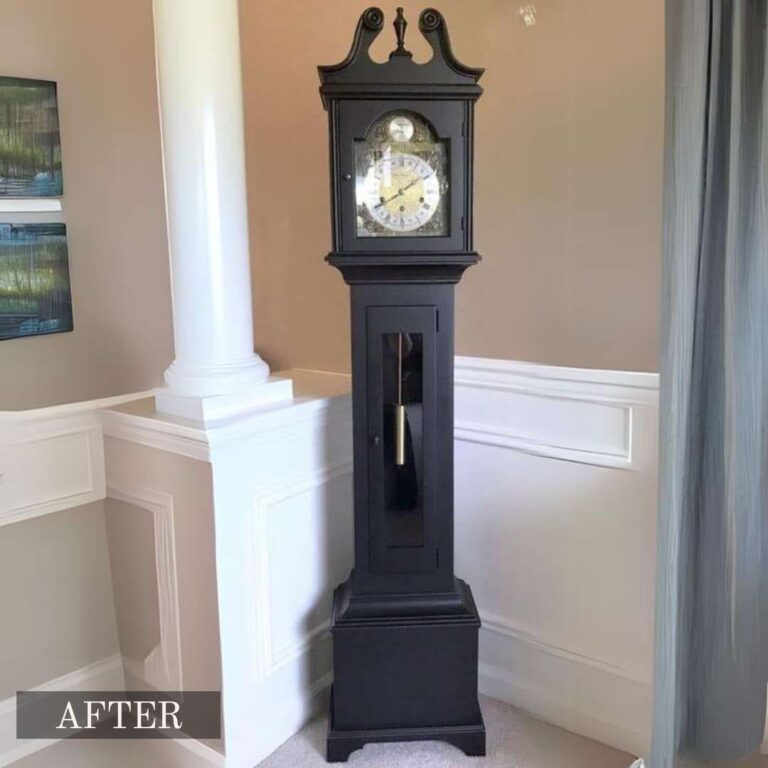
[341, 743]
[405, 669]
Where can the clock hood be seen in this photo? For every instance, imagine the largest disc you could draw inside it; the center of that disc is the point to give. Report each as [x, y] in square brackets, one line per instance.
[443, 76]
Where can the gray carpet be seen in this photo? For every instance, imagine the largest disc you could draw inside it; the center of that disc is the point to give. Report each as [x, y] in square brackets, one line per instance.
[514, 741]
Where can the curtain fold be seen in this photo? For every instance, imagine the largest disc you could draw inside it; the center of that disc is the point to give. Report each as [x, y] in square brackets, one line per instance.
[711, 664]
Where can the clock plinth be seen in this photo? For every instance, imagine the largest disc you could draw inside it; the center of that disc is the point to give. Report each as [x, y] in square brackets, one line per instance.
[405, 629]
[398, 658]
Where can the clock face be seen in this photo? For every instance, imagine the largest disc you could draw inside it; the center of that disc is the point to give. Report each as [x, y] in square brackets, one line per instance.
[401, 192]
[401, 187]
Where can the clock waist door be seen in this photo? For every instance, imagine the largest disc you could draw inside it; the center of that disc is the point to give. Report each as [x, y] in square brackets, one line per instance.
[401, 471]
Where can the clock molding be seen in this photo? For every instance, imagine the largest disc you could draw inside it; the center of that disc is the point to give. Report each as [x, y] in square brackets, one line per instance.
[405, 628]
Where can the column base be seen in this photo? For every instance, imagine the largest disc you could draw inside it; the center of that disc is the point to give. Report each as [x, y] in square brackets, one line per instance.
[218, 378]
[211, 408]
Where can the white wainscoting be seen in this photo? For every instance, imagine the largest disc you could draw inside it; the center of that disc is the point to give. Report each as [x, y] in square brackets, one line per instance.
[105, 675]
[573, 414]
[51, 465]
[555, 531]
[283, 500]
[296, 577]
[52, 458]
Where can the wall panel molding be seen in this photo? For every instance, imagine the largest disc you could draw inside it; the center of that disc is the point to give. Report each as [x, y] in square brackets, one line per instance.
[570, 414]
[52, 458]
[265, 504]
[163, 666]
[50, 465]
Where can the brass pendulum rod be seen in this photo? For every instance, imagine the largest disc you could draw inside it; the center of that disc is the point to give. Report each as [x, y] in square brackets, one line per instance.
[399, 408]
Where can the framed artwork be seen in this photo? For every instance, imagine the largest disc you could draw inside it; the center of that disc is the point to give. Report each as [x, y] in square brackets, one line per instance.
[35, 296]
[30, 146]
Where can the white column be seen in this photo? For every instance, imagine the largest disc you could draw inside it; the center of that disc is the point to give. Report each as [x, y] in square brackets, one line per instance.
[216, 371]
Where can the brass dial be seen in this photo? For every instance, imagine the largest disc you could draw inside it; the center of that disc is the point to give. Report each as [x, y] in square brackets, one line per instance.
[401, 192]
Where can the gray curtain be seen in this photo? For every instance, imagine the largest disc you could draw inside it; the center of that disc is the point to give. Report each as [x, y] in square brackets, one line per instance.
[712, 575]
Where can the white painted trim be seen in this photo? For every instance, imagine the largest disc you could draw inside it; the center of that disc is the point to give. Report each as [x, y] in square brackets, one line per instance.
[30, 205]
[201, 750]
[196, 441]
[472, 432]
[293, 652]
[104, 675]
[68, 409]
[504, 627]
[287, 718]
[35, 432]
[152, 432]
[623, 390]
[36, 436]
[211, 409]
[502, 685]
[319, 685]
[558, 378]
[163, 666]
[264, 500]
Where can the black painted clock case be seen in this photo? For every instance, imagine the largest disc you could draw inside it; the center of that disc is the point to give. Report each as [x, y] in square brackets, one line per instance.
[405, 629]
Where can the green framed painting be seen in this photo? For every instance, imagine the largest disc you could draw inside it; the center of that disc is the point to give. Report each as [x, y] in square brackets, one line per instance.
[30, 145]
[35, 296]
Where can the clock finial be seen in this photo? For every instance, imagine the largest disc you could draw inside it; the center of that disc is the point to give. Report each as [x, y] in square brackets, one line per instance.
[400, 24]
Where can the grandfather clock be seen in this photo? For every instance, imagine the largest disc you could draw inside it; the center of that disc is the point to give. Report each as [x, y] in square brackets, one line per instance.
[404, 627]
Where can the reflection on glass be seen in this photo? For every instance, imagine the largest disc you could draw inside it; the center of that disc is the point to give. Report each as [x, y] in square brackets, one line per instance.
[402, 387]
[401, 179]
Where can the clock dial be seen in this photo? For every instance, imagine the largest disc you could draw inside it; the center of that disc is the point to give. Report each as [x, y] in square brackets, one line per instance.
[402, 192]
[401, 187]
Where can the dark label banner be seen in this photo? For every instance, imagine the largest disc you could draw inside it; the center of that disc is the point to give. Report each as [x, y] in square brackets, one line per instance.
[118, 714]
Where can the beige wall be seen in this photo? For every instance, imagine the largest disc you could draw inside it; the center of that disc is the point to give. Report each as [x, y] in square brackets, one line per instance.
[131, 540]
[568, 179]
[101, 53]
[55, 597]
[568, 186]
[131, 547]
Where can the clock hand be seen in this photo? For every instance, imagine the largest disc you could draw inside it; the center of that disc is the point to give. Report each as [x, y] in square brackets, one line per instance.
[397, 194]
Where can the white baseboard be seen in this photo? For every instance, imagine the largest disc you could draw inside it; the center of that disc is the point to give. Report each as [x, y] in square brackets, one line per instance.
[104, 675]
[575, 695]
[197, 748]
[280, 724]
[295, 714]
